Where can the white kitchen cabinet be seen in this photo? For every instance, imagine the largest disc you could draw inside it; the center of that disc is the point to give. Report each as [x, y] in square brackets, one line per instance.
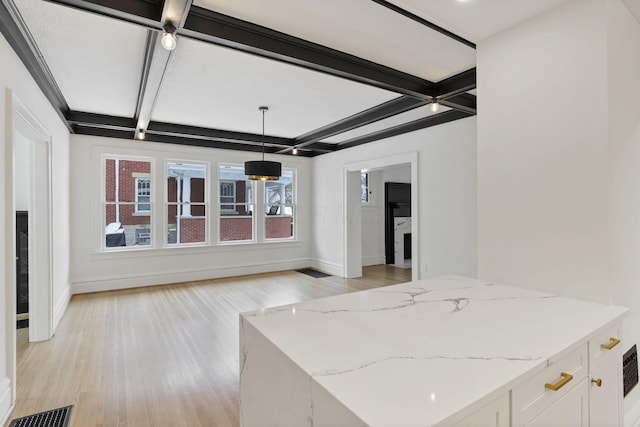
[572, 410]
[605, 394]
[436, 352]
[495, 414]
[605, 386]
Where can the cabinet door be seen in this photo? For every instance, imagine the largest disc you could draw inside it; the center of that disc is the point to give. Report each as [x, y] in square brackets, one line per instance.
[604, 400]
[570, 411]
[495, 414]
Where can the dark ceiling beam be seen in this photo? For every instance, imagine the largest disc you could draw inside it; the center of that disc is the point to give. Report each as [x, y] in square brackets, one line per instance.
[147, 13]
[437, 119]
[374, 114]
[157, 131]
[426, 23]
[80, 129]
[213, 27]
[455, 85]
[101, 120]
[17, 34]
[463, 102]
[170, 129]
[180, 140]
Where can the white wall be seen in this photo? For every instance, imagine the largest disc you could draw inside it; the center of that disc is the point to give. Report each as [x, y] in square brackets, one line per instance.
[93, 269]
[447, 205]
[400, 173]
[16, 80]
[542, 150]
[623, 42]
[21, 177]
[559, 156]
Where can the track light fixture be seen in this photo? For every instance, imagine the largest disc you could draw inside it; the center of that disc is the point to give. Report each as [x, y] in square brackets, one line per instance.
[168, 39]
[262, 170]
[295, 150]
[435, 106]
[141, 134]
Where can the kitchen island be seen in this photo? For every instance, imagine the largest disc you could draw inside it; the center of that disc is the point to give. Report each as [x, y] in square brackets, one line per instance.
[445, 351]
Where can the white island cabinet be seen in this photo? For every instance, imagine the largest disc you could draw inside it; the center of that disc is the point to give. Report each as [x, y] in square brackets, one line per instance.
[439, 352]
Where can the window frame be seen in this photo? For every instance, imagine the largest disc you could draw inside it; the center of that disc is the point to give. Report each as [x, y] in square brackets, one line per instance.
[103, 203]
[281, 208]
[206, 218]
[250, 203]
[365, 189]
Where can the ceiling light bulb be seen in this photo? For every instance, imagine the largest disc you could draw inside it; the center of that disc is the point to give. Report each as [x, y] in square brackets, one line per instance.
[141, 134]
[435, 106]
[295, 150]
[168, 39]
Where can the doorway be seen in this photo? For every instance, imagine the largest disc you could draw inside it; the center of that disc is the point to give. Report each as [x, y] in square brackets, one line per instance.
[28, 189]
[353, 210]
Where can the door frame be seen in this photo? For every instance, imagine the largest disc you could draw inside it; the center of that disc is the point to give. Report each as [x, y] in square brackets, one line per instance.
[353, 211]
[20, 120]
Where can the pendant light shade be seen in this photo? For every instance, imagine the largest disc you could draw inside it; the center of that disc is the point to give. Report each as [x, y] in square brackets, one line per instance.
[262, 170]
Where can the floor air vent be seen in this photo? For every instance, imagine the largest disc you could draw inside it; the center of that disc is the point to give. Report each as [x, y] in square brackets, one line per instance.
[53, 418]
[630, 369]
[313, 273]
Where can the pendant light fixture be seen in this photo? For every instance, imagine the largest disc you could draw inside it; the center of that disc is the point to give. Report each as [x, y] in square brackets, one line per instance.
[262, 170]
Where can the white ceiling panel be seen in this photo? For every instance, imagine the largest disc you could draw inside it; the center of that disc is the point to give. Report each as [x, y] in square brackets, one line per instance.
[415, 114]
[96, 61]
[215, 87]
[360, 27]
[476, 20]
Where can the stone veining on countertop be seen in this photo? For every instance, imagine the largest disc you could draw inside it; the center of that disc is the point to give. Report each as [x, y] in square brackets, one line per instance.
[331, 372]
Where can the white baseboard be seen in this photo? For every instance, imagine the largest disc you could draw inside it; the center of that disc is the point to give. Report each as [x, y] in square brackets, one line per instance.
[328, 267]
[373, 260]
[162, 278]
[632, 418]
[5, 400]
[60, 307]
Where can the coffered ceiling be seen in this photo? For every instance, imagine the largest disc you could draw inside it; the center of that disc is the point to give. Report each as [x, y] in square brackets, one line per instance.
[334, 73]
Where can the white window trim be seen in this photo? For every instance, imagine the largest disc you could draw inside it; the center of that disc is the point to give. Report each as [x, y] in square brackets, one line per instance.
[368, 187]
[206, 217]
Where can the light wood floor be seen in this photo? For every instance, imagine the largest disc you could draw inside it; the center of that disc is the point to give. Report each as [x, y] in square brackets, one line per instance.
[160, 356]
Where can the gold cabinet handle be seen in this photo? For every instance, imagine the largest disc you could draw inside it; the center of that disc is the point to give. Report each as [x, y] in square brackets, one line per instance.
[557, 386]
[612, 343]
[597, 381]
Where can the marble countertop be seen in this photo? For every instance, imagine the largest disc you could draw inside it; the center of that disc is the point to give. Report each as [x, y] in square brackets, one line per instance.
[418, 353]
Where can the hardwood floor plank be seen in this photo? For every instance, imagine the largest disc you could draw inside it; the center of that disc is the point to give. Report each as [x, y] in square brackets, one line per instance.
[163, 355]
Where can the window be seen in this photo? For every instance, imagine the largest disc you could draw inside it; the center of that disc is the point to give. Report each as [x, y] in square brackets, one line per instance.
[364, 187]
[186, 203]
[227, 195]
[236, 204]
[279, 200]
[143, 195]
[127, 202]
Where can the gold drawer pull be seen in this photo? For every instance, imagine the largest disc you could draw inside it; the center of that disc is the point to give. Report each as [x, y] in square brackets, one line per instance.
[612, 343]
[597, 381]
[557, 386]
